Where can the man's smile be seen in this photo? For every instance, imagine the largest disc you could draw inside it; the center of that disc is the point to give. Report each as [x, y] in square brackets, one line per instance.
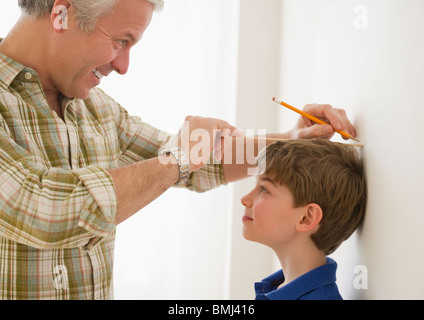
[98, 74]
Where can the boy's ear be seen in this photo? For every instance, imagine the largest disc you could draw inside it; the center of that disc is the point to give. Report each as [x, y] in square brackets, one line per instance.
[59, 15]
[310, 219]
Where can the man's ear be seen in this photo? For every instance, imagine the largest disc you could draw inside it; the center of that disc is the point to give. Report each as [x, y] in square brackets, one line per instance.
[59, 15]
[310, 219]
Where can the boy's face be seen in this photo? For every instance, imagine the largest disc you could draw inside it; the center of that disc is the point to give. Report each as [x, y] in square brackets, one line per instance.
[270, 217]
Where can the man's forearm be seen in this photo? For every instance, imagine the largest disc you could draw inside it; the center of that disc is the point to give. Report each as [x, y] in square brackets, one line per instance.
[139, 184]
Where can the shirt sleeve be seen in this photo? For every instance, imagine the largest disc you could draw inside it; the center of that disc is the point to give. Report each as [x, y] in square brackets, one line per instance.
[140, 141]
[50, 208]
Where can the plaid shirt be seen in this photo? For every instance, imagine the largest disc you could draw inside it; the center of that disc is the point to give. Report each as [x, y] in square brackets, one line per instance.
[57, 199]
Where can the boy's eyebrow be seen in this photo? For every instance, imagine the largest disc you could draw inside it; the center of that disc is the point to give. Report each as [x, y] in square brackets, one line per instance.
[265, 178]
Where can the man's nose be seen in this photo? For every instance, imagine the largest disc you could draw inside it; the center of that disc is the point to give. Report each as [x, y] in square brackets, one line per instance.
[122, 62]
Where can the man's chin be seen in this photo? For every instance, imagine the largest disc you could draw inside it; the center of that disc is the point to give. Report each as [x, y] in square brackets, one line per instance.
[81, 95]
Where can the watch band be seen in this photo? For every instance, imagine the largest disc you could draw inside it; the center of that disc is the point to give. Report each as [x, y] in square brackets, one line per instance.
[183, 163]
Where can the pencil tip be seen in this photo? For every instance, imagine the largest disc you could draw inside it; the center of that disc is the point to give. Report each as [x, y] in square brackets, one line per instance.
[273, 99]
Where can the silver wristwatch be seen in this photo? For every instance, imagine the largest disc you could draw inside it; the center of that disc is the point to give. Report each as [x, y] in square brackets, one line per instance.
[183, 163]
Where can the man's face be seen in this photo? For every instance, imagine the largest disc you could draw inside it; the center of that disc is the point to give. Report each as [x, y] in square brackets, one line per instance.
[83, 59]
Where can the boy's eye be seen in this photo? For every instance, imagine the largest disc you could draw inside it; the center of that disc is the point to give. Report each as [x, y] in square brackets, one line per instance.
[262, 189]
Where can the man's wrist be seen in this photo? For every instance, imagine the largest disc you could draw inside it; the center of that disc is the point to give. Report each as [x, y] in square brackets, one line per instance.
[181, 159]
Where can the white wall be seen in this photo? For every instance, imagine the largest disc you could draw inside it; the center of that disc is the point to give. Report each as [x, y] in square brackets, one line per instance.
[367, 57]
[186, 63]
[257, 84]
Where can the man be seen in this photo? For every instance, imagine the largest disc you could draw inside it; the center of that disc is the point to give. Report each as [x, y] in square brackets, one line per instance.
[73, 163]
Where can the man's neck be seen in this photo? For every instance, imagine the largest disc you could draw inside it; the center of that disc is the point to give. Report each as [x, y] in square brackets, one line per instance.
[27, 45]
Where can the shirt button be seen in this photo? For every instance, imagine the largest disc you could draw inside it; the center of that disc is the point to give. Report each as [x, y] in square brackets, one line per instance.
[28, 75]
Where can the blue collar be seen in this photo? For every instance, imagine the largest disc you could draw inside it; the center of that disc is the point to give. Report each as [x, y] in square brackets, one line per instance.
[308, 282]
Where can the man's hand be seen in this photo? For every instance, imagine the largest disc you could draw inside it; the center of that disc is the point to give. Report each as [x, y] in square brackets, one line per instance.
[337, 119]
[304, 129]
[200, 137]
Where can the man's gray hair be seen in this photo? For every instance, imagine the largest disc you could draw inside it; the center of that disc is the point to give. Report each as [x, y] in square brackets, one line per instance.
[88, 12]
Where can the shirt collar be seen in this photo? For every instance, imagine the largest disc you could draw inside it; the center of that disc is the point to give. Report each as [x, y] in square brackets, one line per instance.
[11, 70]
[321, 276]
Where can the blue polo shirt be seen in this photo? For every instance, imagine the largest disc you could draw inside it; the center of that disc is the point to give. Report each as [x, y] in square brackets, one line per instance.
[317, 284]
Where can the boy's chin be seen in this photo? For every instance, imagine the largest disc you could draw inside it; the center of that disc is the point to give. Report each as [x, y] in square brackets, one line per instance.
[248, 237]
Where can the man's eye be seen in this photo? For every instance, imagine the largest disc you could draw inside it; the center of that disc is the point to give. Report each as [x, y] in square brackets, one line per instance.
[263, 189]
[121, 43]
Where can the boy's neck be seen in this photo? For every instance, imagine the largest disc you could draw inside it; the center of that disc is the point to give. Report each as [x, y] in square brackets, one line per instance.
[298, 261]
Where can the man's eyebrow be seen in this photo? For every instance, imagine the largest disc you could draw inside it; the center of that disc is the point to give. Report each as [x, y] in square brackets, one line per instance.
[131, 37]
[127, 36]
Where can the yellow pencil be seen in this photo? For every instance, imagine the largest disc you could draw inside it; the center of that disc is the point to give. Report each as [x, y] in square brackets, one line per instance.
[314, 119]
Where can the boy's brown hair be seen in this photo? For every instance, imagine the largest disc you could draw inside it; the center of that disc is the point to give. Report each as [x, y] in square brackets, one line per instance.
[327, 173]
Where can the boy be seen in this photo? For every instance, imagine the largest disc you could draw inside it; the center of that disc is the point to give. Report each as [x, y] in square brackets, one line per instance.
[308, 199]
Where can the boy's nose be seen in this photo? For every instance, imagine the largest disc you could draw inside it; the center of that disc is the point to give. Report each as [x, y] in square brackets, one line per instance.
[246, 200]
